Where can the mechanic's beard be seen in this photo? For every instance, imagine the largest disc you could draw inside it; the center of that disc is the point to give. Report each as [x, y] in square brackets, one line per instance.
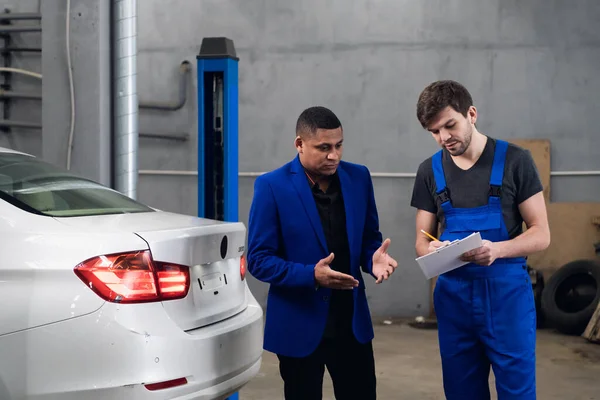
[464, 145]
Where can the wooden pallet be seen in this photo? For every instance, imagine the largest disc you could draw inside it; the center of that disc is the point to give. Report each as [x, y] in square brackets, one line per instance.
[592, 332]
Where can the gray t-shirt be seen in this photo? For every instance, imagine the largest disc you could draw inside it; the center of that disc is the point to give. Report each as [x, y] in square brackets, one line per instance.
[470, 188]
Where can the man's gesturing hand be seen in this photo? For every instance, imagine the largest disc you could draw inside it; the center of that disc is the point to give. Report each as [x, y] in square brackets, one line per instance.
[326, 277]
[383, 264]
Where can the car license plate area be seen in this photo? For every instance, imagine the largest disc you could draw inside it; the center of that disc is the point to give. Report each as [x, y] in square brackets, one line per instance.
[211, 281]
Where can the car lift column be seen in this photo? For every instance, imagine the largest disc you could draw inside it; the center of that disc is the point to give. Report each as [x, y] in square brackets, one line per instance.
[218, 132]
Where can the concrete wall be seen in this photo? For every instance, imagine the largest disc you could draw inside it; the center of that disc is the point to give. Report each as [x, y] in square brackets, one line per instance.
[531, 67]
[89, 45]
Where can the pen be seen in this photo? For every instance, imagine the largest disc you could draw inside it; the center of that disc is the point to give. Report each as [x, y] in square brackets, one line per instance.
[430, 236]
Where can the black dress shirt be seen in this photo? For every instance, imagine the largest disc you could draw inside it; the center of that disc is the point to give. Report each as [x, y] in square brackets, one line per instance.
[330, 205]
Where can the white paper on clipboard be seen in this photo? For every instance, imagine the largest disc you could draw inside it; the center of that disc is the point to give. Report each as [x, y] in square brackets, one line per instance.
[447, 258]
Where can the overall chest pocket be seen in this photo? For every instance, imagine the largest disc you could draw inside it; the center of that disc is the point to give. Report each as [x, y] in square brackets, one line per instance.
[478, 219]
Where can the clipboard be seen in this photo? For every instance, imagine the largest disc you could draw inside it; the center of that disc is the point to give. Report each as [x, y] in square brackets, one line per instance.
[447, 258]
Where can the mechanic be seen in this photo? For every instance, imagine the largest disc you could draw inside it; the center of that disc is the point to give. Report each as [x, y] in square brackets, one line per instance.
[485, 309]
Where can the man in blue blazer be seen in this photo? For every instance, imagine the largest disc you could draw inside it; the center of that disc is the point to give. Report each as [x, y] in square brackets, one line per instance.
[313, 225]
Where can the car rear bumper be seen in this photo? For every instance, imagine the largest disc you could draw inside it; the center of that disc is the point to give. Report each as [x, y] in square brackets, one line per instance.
[112, 353]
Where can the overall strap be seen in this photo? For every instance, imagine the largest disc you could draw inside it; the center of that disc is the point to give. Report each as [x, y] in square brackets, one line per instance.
[497, 174]
[440, 180]
[496, 178]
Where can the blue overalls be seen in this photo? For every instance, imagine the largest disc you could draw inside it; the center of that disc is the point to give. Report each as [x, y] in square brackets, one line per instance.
[486, 315]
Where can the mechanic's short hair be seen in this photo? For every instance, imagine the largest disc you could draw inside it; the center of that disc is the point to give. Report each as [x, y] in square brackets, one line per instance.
[439, 95]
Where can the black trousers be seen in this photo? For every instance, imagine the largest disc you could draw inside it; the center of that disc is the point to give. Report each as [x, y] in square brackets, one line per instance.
[351, 366]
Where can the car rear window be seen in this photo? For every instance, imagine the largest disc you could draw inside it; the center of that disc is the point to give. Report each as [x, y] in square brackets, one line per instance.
[39, 187]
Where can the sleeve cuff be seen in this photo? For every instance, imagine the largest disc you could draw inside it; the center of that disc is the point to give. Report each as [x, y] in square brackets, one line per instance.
[308, 276]
[369, 267]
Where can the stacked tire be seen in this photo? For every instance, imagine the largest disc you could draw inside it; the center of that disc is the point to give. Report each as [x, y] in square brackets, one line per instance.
[571, 296]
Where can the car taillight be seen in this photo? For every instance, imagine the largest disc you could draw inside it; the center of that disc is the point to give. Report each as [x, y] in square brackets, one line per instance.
[134, 278]
[243, 267]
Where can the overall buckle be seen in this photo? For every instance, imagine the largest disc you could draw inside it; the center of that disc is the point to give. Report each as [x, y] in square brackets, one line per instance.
[444, 196]
[495, 190]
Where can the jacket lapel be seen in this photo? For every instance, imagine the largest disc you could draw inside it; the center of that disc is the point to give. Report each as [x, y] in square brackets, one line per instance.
[347, 194]
[308, 201]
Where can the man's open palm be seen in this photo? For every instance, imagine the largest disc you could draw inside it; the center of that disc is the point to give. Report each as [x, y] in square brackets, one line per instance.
[383, 264]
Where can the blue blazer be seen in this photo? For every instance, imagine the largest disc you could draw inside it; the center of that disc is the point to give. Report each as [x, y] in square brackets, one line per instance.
[286, 240]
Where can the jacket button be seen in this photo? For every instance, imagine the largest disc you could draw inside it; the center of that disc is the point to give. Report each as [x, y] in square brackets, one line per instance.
[325, 298]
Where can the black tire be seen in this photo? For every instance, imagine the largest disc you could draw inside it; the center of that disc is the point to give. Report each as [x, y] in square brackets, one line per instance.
[538, 291]
[571, 296]
[537, 279]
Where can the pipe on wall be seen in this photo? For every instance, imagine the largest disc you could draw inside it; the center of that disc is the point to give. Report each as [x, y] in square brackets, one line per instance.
[7, 94]
[21, 50]
[20, 124]
[19, 29]
[21, 71]
[373, 174]
[125, 97]
[20, 16]
[177, 137]
[184, 70]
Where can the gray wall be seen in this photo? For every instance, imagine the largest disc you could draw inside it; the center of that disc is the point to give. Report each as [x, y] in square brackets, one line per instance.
[531, 66]
[90, 65]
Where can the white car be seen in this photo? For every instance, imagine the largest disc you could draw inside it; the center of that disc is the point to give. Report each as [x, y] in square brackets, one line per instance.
[102, 297]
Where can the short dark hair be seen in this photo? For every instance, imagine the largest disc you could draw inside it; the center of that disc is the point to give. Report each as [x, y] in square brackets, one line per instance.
[439, 95]
[314, 118]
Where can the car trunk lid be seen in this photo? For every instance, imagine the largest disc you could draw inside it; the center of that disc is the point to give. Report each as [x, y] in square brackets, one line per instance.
[212, 250]
[213, 253]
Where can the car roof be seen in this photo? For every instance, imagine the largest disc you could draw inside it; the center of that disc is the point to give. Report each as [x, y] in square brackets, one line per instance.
[7, 150]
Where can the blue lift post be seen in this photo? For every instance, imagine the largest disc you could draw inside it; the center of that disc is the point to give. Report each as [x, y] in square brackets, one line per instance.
[218, 132]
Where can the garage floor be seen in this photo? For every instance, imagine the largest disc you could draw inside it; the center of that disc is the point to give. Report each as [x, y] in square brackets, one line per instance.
[408, 367]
